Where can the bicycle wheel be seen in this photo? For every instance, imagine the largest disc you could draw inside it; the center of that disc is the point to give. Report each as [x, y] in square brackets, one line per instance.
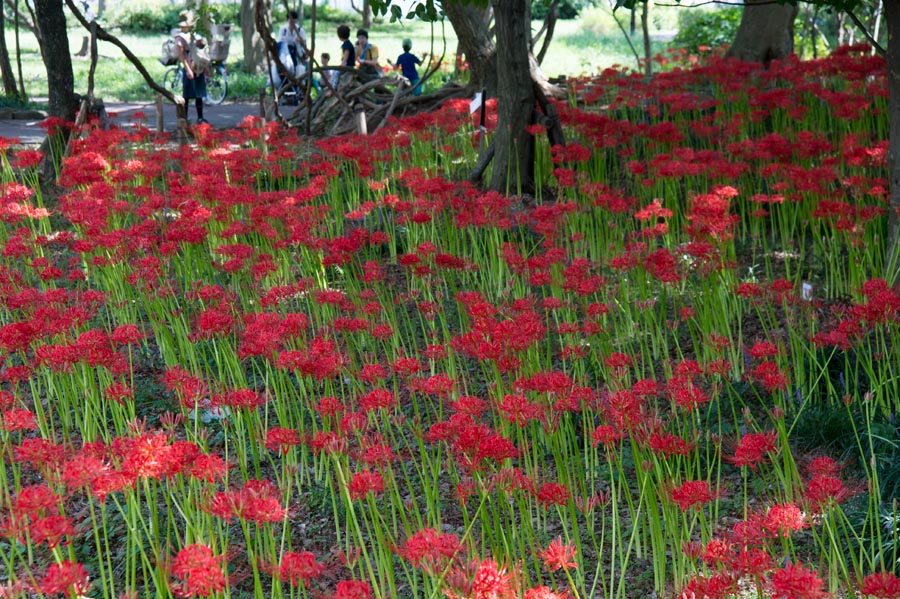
[216, 85]
[172, 80]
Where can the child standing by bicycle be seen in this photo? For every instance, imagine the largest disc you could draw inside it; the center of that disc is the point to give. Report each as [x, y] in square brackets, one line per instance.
[193, 83]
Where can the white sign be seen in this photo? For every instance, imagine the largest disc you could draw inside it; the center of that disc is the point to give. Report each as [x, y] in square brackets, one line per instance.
[475, 104]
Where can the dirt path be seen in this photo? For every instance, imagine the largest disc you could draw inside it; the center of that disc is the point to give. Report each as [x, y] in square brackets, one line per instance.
[28, 131]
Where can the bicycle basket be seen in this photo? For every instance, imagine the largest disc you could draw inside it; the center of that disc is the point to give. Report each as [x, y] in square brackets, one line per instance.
[218, 50]
[169, 53]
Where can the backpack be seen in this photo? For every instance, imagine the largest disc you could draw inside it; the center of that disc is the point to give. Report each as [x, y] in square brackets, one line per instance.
[169, 53]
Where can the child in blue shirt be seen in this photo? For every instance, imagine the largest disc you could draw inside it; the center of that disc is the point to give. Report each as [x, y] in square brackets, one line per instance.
[407, 63]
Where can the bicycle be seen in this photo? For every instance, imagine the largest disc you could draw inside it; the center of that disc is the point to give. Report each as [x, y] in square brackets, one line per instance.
[216, 81]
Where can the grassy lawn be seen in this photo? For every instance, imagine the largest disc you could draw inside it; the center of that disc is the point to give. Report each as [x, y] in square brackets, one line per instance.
[582, 46]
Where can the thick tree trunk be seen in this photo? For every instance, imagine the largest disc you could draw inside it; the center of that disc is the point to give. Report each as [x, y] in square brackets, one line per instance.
[6, 70]
[51, 21]
[892, 16]
[254, 48]
[766, 32]
[475, 42]
[513, 168]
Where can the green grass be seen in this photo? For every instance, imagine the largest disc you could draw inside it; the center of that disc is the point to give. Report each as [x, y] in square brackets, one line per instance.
[582, 46]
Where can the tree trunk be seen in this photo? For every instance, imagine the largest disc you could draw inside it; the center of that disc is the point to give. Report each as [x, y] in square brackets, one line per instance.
[892, 18]
[6, 70]
[254, 48]
[513, 168]
[766, 32]
[51, 21]
[367, 15]
[645, 31]
[475, 42]
[22, 93]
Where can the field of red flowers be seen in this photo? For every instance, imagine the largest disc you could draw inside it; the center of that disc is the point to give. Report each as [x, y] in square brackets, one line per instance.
[254, 367]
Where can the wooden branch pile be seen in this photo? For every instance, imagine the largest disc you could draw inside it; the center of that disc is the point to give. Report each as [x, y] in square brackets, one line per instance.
[363, 107]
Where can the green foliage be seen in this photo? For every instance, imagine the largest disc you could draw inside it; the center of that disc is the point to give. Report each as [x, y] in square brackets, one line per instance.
[706, 27]
[324, 14]
[143, 17]
[15, 101]
[568, 9]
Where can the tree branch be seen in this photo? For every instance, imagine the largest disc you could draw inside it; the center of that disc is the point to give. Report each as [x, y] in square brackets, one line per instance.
[102, 34]
[550, 26]
[17, 14]
[865, 32]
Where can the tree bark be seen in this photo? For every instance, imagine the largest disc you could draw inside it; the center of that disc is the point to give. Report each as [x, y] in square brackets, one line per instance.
[513, 168]
[475, 42]
[51, 21]
[254, 48]
[766, 32]
[892, 18]
[367, 15]
[6, 70]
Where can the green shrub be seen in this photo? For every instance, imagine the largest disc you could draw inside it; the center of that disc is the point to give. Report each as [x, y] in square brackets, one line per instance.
[324, 14]
[697, 27]
[568, 9]
[599, 22]
[142, 16]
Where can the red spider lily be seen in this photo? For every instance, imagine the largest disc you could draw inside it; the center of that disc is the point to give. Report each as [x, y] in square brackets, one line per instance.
[771, 376]
[82, 470]
[17, 419]
[127, 334]
[718, 552]
[752, 449]
[667, 445]
[558, 555]
[519, 411]
[796, 581]
[693, 493]
[430, 550]
[329, 441]
[686, 394]
[377, 399]
[329, 406]
[717, 586]
[881, 585]
[322, 360]
[784, 519]
[439, 385]
[258, 501]
[51, 529]
[553, 494]
[709, 216]
[42, 454]
[479, 580]
[752, 562]
[299, 568]
[373, 373]
[544, 593]
[352, 589]
[825, 490]
[662, 266]
[66, 577]
[201, 572]
[191, 391]
[511, 479]
[365, 482]
[280, 439]
[608, 435]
